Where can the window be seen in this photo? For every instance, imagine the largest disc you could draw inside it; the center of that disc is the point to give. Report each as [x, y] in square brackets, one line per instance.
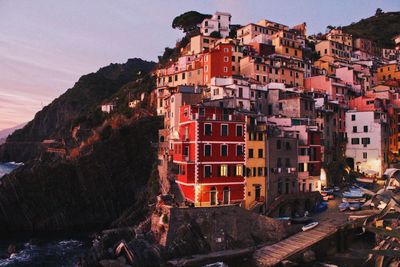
[239, 150]
[239, 170]
[223, 170]
[206, 40]
[201, 111]
[225, 69]
[365, 129]
[207, 150]
[207, 129]
[260, 171]
[239, 130]
[288, 146]
[287, 163]
[207, 171]
[224, 150]
[226, 59]
[251, 153]
[280, 106]
[186, 133]
[186, 151]
[279, 162]
[233, 58]
[355, 141]
[278, 144]
[365, 155]
[354, 129]
[366, 141]
[224, 129]
[301, 167]
[260, 136]
[260, 153]
[226, 50]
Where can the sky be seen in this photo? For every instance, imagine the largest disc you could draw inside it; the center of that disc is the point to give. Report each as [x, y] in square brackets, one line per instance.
[46, 45]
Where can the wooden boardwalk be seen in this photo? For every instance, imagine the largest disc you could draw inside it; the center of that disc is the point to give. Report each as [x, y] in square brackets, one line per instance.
[273, 254]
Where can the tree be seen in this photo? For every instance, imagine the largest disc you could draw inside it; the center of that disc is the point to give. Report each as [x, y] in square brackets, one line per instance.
[378, 12]
[329, 28]
[188, 21]
[215, 34]
[233, 30]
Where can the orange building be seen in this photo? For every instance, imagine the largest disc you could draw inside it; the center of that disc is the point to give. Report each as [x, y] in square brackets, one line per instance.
[275, 68]
[218, 62]
[388, 72]
[286, 44]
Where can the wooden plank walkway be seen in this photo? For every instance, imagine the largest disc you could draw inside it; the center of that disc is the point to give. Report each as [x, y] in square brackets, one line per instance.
[273, 254]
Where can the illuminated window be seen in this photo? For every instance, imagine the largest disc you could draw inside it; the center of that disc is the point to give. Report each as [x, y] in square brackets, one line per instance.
[223, 170]
[239, 170]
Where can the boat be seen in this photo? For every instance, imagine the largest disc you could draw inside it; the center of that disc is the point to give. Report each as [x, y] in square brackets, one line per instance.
[354, 206]
[353, 194]
[327, 190]
[309, 226]
[344, 206]
[336, 188]
[354, 200]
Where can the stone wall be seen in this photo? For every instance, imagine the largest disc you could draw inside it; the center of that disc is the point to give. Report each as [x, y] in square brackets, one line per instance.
[203, 230]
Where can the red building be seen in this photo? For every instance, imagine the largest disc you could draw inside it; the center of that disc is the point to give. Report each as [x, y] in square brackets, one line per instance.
[218, 62]
[210, 155]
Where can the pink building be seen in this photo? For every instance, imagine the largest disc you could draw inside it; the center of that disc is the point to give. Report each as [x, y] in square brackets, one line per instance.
[333, 86]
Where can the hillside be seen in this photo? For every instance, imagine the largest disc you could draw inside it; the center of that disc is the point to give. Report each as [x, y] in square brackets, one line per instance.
[88, 192]
[112, 157]
[381, 28]
[81, 102]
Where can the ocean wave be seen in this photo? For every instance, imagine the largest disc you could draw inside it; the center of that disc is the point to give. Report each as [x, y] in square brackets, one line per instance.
[8, 167]
[62, 253]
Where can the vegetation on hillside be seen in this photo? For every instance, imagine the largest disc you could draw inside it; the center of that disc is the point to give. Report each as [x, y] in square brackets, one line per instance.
[380, 28]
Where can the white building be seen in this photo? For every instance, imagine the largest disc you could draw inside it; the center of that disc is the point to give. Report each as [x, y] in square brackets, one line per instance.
[108, 107]
[367, 145]
[219, 22]
[235, 88]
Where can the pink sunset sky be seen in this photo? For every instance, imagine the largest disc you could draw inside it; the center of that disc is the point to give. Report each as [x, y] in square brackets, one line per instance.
[45, 46]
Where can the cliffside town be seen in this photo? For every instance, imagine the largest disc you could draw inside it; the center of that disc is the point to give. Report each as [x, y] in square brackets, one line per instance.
[266, 111]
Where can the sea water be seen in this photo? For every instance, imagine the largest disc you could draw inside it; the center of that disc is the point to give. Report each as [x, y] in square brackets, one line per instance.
[8, 167]
[63, 251]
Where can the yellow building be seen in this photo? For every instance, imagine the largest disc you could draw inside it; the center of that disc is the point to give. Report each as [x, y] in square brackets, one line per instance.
[388, 72]
[286, 44]
[255, 163]
[334, 49]
[337, 35]
[283, 70]
[326, 63]
[199, 44]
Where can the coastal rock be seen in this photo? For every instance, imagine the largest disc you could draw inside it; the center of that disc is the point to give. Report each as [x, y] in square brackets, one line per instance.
[85, 193]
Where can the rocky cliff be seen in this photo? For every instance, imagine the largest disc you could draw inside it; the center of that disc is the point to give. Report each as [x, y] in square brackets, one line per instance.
[89, 191]
[56, 120]
[101, 168]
